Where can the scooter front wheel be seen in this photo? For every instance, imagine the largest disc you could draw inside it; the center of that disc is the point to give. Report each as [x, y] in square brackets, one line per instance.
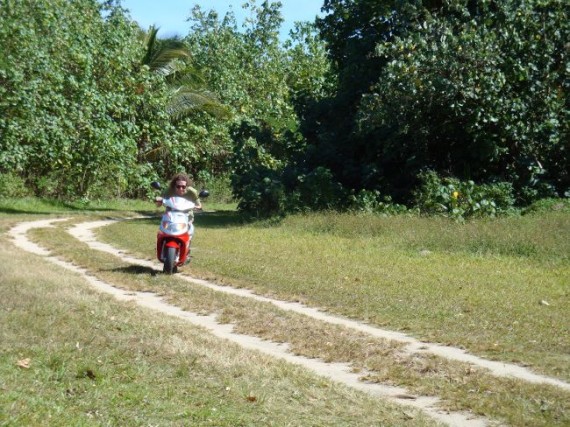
[170, 261]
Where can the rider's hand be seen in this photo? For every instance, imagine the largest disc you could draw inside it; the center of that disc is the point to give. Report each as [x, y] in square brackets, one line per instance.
[158, 201]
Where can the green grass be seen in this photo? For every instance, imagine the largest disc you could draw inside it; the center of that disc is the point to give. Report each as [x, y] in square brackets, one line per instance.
[461, 386]
[470, 285]
[477, 285]
[93, 361]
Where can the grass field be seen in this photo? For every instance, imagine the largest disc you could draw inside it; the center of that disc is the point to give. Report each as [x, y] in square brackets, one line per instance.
[498, 288]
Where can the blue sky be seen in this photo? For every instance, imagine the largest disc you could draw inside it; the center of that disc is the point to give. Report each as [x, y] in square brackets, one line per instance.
[170, 15]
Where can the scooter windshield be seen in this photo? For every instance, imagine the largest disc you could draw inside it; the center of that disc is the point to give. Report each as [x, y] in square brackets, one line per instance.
[178, 204]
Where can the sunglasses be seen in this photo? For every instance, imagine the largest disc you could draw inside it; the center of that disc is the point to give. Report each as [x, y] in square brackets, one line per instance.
[181, 187]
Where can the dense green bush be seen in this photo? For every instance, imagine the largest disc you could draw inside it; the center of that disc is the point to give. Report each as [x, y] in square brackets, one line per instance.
[318, 190]
[67, 94]
[13, 186]
[374, 202]
[463, 199]
[262, 194]
[347, 118]
[92, 106]
[476, 90]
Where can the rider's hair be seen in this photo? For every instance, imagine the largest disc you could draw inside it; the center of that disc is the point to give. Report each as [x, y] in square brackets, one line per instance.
[179, 177]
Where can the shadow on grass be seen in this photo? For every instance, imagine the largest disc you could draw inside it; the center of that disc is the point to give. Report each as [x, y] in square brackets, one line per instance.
[207, 219]
[135, 269]
[33, 206]
[51, 207]
[146, 217]
[45, 210]
[219, 219]
[11, 211]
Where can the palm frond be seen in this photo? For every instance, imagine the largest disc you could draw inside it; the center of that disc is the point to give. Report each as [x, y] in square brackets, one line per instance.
[164, 56]
[156, 153]
[170, 58]
[186, 101]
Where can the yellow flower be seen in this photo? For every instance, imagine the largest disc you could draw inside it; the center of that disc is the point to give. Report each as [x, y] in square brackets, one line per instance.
[455, 194]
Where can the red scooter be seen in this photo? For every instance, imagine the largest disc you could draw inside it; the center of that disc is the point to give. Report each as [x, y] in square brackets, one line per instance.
[175, 232]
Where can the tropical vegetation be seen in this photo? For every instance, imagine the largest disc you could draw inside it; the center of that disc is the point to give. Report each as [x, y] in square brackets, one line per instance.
[454, 107]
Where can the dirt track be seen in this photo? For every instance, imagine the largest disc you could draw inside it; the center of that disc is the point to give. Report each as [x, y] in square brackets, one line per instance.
[334, 371]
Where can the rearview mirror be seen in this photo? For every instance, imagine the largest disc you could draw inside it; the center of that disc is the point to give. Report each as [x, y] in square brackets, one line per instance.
[204, 193]
[155, 185]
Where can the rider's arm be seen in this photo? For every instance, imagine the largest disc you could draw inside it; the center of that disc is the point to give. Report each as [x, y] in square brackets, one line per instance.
[192, 195]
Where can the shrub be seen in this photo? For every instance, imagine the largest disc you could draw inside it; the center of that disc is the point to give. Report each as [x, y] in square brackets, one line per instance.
[462, 199]
[12, 185]
[220, 187]
[261, 193]
[373, 201]
[318, 190]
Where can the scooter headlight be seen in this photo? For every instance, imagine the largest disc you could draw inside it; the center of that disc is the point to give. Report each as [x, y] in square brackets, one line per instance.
[173, 227]
[179, 227]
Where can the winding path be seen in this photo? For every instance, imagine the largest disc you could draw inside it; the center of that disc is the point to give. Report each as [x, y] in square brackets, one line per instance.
[337, 372]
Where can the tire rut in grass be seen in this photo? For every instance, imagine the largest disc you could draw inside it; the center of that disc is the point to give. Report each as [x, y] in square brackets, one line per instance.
[84, 233]
[336, 371]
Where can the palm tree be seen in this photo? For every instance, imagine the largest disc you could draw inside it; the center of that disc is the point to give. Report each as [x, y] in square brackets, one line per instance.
[171, 59]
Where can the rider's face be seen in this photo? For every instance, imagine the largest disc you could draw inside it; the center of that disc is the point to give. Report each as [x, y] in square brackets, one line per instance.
[180, 188]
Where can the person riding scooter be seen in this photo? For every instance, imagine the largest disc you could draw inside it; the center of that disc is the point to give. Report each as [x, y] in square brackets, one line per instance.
[176, 226]
[179, 187]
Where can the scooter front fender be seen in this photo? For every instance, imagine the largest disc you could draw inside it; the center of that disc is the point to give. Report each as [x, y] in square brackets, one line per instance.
[181, 243]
